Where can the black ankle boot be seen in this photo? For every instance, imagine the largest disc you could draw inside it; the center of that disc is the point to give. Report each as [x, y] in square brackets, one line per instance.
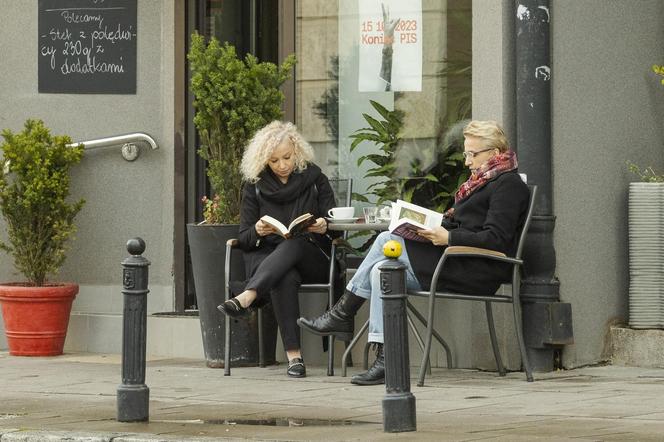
[375, 374]
[337, 321]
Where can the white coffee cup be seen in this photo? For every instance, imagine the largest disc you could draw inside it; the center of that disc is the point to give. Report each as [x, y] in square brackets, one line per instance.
[341, 212]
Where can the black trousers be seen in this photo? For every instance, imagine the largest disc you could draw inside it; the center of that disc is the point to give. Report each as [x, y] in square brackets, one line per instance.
[280, 274]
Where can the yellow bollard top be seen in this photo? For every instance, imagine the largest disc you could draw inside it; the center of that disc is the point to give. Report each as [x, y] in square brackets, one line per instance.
[392, 249]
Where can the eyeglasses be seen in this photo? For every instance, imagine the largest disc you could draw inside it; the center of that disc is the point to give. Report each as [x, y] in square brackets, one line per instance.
[470, 154]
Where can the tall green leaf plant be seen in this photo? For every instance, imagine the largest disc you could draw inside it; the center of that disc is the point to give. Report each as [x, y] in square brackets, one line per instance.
[433, 187]
[385, 135]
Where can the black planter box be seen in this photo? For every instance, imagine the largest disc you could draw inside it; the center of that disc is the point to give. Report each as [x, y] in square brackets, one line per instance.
[207, 244]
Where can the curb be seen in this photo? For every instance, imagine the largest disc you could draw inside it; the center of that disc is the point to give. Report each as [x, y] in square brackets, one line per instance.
[21, 435]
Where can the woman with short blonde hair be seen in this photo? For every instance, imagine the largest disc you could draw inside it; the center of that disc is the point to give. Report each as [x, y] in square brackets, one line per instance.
[283, 182]
[489, 211]
[490, 132]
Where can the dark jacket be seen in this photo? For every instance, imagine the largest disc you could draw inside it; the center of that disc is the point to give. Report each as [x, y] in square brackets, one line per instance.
[317, 199]
[491, 218]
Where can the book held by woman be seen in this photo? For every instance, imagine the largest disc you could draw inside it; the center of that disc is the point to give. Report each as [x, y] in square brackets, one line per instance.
[408, 218]
[297, 226]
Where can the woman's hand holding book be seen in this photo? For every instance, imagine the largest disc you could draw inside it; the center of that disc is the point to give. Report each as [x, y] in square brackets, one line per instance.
[264, 229]
[439, 236]
[320, 226]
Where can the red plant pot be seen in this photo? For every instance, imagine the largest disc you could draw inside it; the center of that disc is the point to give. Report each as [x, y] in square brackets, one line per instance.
[36, 318]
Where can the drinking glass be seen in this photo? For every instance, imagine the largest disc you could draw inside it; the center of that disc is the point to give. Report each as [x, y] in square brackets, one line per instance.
[385, 213]
[370, 214]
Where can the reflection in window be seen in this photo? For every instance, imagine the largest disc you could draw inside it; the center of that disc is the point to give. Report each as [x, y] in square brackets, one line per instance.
[330, 106]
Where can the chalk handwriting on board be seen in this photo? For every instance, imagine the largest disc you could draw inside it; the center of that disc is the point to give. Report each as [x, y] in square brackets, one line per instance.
[87, 46]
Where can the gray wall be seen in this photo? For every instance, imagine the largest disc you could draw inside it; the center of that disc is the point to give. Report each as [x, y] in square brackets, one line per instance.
[123, 199]
[607, 108]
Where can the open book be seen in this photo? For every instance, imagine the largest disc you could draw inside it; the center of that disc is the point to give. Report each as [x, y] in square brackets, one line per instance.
[408, 218]
[295, 227]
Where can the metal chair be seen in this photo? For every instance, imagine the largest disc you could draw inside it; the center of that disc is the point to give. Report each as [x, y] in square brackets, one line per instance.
[411, 311]
[342, 190]
[514, 299]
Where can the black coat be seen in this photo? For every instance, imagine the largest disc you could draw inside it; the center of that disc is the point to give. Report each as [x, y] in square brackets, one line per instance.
[317, 199]
[491, 218]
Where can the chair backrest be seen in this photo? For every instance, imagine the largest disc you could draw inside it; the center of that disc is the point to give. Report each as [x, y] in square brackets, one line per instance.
[526, 224]
[343, 190]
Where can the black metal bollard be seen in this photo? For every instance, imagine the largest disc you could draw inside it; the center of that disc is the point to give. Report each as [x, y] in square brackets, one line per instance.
[399, 403]
[133, 395]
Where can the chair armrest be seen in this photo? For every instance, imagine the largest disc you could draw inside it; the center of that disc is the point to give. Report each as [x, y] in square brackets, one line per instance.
[230, 245]
[470, 252]
[456, 250]
[478, 252]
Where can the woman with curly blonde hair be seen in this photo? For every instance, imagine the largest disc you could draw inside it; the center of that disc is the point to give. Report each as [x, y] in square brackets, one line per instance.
[258, 152]
[283, 182]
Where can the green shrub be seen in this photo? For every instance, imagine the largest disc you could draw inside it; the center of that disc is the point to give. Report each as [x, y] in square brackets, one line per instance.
[647, 174]
[34, 186]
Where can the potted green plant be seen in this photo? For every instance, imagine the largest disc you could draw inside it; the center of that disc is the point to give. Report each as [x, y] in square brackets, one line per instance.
[34, 186]
[432, 187]
[233, 98]
[659, 70]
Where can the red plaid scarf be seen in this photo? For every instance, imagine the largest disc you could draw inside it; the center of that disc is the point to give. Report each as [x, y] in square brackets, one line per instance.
[503, 162]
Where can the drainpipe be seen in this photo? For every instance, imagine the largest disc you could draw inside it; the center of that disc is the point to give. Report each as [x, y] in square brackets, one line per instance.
[547, 323]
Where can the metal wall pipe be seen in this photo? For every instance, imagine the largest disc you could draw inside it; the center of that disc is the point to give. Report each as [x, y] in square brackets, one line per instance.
[546, 322]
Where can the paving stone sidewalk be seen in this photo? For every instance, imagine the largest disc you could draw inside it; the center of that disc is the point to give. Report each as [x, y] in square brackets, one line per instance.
[73, 397]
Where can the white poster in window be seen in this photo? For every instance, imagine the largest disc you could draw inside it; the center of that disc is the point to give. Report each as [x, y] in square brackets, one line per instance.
[390, 45]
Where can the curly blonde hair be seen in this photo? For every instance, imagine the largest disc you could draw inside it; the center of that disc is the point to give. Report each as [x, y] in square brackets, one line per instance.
[489, 131]
[262, 145]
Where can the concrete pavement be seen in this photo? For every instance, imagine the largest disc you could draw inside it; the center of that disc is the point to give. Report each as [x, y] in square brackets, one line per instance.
[73, 397]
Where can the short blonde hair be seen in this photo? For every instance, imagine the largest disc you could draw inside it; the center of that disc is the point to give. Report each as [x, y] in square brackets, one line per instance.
[262, 145]
[489, 131]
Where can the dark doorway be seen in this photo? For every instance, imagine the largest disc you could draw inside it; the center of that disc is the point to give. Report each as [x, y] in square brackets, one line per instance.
[252, 26]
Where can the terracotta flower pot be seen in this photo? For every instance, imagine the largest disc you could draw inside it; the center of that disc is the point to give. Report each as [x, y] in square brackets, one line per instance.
[36, 318]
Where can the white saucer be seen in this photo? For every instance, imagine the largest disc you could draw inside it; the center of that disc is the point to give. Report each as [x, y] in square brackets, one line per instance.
[342, 220]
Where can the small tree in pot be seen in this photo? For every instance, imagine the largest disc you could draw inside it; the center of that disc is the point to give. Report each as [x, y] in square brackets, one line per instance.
[233, 98]
[34, 186]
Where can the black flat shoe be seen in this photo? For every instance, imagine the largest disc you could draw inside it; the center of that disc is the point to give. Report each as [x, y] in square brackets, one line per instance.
[296, 368]
[233, 308]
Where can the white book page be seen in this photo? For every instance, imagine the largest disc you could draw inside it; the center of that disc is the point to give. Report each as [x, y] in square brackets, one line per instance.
[275, 223]
[417, 215]
[298, 220]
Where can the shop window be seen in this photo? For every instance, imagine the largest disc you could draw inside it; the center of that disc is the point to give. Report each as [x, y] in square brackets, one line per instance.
[342, 52]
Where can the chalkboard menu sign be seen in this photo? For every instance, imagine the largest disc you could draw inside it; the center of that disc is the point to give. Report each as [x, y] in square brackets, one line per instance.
[87, 46]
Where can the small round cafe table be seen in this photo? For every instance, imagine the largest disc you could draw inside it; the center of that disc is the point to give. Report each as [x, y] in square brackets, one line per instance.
[357, 226]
